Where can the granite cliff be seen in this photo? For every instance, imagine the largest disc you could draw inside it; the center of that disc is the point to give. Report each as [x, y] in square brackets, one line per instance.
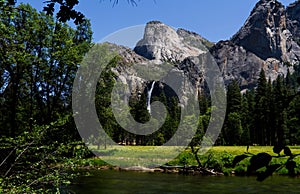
[264, 41]
[268, 40]
[163, 43]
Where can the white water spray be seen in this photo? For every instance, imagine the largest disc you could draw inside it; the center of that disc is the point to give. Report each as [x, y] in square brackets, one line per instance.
[149, 97]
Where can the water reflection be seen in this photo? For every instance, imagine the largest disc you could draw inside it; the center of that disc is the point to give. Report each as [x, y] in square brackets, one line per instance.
[131, 182]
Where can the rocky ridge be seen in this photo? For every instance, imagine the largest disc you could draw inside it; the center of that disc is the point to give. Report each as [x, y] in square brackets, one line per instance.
[293, 22]
[267, 40]
[163, 43]
[263, 42]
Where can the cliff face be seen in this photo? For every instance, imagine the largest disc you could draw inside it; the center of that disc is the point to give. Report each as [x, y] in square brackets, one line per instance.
[264, 33]
[163, 43]
[293, 19]
[236, 62]
[267, 40]
[264, 41]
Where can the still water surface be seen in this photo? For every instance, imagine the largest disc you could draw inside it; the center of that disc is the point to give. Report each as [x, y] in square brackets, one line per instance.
[120, 182]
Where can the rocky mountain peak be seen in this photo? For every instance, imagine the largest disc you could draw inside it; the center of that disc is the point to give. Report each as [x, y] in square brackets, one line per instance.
[265, 32]
[163, 43]
[194, 39]
[263, 42]
[267, 6]
[293, 23]
[267, 40]
[268, 3]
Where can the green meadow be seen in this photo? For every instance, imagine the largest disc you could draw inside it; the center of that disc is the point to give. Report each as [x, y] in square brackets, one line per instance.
[219, 158]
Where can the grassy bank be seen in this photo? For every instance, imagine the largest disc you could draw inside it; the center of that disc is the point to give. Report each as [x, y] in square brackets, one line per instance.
[219, 158]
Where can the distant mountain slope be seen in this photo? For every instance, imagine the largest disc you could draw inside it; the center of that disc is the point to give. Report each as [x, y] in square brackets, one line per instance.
[264, 41]
[163, 43]
[268, 39]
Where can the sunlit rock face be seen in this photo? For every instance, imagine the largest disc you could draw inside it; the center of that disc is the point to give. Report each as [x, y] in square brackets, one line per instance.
[163, 43]
[265, 33]
[264, 41]
[268, 40]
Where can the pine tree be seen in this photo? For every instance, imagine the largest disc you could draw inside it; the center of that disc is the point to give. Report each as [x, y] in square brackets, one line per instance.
[279, 106]
[245, 121]
[234, 129]
[233, 109]
[233, 97]
[249, 119]
[269, 114]
[293, 122]
[261, 109]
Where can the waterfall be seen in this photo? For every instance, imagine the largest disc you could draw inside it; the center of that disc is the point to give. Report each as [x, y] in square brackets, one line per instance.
[149, 97]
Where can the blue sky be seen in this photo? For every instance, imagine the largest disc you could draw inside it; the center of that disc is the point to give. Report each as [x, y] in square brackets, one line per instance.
[213, 19]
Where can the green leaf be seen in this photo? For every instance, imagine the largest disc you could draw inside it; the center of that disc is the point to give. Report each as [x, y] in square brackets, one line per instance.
[287, 151]
[258, 161]
[277, 149]
[270, 170]
[239, 158]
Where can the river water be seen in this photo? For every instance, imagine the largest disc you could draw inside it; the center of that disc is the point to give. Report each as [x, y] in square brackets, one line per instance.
[121, 182]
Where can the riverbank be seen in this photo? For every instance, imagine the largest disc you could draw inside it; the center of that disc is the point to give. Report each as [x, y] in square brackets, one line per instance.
[217, 161]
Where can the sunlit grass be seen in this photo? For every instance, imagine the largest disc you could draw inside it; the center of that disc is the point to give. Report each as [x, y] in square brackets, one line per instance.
[237, 150]
[138, 155]
[145, 156]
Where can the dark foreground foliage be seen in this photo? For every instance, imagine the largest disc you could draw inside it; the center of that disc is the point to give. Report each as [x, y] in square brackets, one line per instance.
[261, 165]
[36, 165]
